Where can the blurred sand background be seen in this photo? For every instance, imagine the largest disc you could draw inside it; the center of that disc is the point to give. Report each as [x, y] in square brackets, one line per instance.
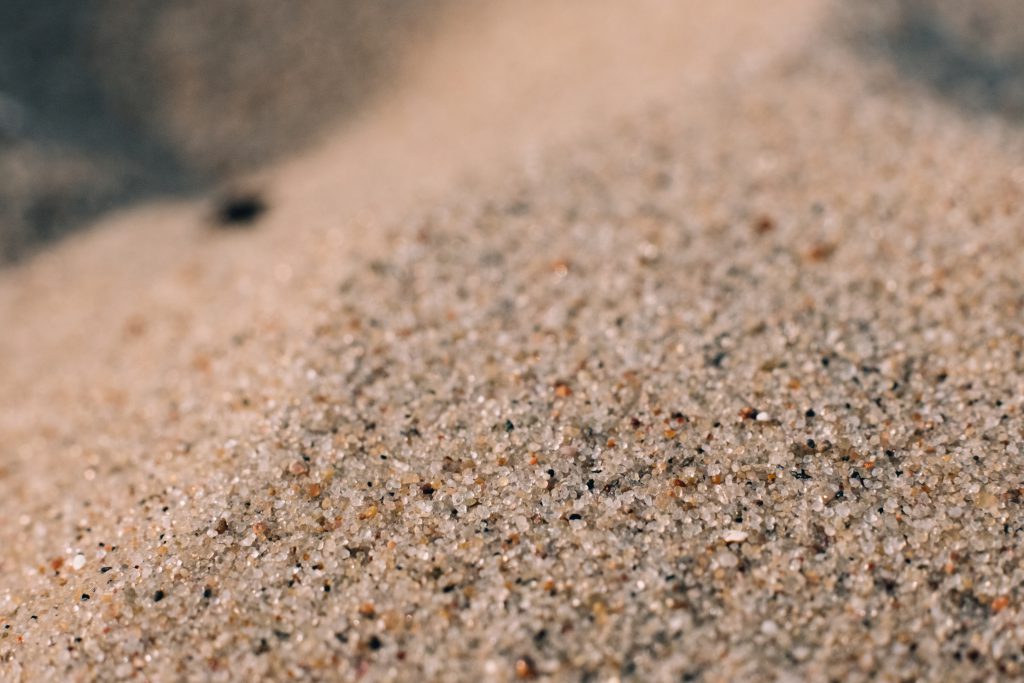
[132, 326]
[104, 103]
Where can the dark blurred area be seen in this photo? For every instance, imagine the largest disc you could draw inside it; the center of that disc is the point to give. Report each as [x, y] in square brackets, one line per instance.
[104, 102]
[968, 52]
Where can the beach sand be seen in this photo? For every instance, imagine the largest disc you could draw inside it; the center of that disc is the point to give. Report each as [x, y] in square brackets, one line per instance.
[672, 342]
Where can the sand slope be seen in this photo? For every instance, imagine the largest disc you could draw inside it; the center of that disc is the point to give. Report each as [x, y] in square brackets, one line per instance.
[721, 383]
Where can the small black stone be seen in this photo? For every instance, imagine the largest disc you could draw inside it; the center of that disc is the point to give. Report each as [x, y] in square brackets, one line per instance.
[104, 570]
[810, 413]
[240, 210]
[158, 596]
[207, 592]
[575, 516]
[509, 426]
[375, 643]
[85, 596]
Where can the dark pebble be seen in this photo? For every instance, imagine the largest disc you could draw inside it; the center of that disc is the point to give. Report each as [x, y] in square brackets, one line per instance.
[241, 210]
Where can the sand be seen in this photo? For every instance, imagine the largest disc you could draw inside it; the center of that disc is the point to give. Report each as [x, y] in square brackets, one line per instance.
[675, 343]
[104, 104]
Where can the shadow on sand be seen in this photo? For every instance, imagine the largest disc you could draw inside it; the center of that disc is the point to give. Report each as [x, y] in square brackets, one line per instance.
[104, 102]
[970, 55]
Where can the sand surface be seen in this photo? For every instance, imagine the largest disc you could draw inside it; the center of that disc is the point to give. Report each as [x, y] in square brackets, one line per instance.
[672, 342]
[105, 103]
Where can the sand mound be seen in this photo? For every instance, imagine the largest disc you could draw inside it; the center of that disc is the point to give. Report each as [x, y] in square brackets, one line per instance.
[723, 388]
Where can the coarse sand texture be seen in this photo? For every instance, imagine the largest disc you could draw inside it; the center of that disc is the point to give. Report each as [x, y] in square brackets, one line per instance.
[726, 389]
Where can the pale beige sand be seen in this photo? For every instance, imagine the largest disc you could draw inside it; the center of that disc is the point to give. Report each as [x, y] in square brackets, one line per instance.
[671, 342]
